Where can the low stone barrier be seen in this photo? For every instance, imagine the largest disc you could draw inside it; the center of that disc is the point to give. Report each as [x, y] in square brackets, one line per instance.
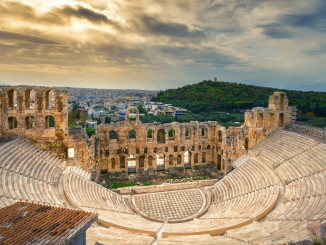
[164, 187]
[309, 130]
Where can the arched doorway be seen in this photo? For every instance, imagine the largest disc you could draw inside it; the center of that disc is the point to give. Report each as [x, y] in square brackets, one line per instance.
[196, 158]
[161, 136]
[112, 163]
[170, 159]
[203, 157]
[12, 123]
[219, 136]
[187, 160]
[281, 120]
[260, 119]
[219, 162]
[160, 162]
[150, 161]
[141, 161]
[246, 144]
[49, 122]
[122, 162]
[30, 122]
[272, 120]
[179, 159]
[131, 164]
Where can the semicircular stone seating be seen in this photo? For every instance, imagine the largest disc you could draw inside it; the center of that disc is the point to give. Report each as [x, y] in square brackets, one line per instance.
[29, 174]
[270, 198]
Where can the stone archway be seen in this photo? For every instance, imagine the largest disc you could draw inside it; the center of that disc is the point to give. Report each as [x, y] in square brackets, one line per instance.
[161, 136]
[160, 162]
[281, 120]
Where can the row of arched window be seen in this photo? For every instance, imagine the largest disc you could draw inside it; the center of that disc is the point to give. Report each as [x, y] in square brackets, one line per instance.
[161, 134]
[30, 98]
[260, 120]
[160, 160]
[30, 122]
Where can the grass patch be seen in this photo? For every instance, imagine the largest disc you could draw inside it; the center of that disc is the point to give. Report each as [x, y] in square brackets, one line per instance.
[116, 185]
[201, 178]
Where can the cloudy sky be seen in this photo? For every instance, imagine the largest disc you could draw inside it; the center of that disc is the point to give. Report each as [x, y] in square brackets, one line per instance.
[162, 44]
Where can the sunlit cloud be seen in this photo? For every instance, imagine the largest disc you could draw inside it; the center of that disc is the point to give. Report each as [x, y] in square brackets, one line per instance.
[162, 44]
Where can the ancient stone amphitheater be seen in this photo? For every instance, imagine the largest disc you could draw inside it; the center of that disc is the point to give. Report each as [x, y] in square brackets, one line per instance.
[276, 190]
[270, 197]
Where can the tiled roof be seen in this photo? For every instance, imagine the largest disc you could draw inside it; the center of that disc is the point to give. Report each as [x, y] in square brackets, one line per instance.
[27, 223]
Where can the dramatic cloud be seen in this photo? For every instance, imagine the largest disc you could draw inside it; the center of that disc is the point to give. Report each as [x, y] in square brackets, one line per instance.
[162, 44]
[155, 26]
[83, 13]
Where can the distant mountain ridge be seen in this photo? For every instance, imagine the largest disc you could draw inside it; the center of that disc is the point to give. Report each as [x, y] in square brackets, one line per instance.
[207, 96]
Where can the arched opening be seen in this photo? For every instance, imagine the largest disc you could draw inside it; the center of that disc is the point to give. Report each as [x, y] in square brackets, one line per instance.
[260, 118]
[204, 132]
[171, 133]
[203, 157]
[246, 144]
[29, 99]
[196, 158]
[150, 134]
[132, 134]
[188, 133]
[113, 135]
[171, 159]
[141, 161]
[30, 122]
[49, 98]
[179, 159]
[49, 122]
[219, 162]
[161, 136]
[281, 120]
[282, 102]
[12, 99]
[112, 163]
[131, 164]
[12, 122]
[122, 162]
[272, 119]
[160, 162]
[187, 160]
[220, 138]
[150, 161]
[208, 147]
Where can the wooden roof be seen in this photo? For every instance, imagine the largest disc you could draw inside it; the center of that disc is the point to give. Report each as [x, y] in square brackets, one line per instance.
[27, 223]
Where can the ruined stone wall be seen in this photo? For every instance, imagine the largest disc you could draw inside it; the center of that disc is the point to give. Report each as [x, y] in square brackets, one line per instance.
[153, 142]
[200, 142]
[81, 148]
[203, 142]
[132, 145]
[20, 116]
[261, 122]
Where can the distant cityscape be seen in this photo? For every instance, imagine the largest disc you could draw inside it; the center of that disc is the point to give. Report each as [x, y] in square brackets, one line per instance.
[112, 104]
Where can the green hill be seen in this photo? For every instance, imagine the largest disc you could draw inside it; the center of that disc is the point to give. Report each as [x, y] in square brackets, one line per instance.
[209, 96]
